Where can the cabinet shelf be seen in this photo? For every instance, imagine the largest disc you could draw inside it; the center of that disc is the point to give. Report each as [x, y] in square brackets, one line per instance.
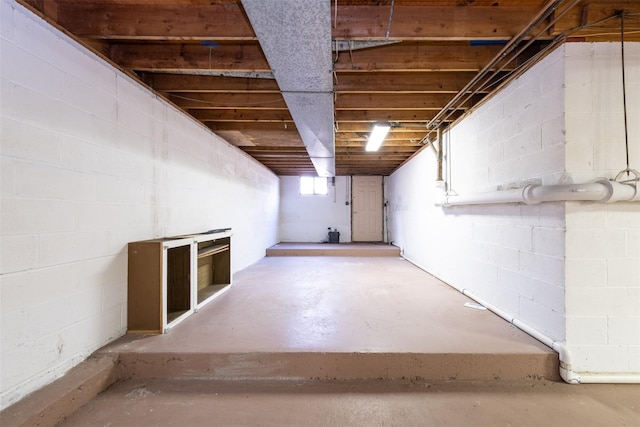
[212, 250]
[209, 291]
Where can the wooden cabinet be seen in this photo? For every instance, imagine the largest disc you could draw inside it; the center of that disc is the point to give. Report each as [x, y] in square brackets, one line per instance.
[170, 278]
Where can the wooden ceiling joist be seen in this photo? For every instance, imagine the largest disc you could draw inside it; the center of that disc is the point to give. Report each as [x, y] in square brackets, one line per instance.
[386, 101]
[229, 101]
[417, 21]
[161, 21]
[241, 115]
[204, 56]
[402, 82]
[425, 56]
[165, 82]
[177, 57]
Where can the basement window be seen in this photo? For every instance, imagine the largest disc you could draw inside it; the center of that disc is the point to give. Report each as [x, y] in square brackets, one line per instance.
[313, 185]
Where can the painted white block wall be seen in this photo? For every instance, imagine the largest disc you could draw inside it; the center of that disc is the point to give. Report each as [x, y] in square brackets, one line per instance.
[603, 241]
[508, 255]
[90, 161]
[305, 218]
[569, 270]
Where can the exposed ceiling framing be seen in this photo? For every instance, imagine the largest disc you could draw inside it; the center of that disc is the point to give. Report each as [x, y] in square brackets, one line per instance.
[398, 61]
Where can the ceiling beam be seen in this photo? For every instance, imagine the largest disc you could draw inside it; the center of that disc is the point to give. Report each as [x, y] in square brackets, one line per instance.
[388, 142]
[402, 82]
[431, 22]
[161, 21]
[229, 101]
[254, 126]
[407, 56]
[208, 113]
[225, 21]
[165, 82]
[388, 149]
[596, 10]
[237, 115]
[398, 82]
[407, 115]
[269, 138]
[396, 129]
[189, 56]
[385, 101]
[346, 150]
[423, 56]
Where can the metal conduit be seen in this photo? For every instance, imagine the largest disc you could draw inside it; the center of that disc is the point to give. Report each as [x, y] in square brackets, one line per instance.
[512, 44]
[482, 85]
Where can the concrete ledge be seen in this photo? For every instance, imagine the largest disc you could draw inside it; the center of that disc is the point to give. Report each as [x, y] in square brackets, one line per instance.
[334, 249]
[340, 366]
[58, 400]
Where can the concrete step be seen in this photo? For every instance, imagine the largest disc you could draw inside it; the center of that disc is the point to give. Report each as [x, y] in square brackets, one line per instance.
[334, 249]
[121, 362]
[339, 366]
[344, 318]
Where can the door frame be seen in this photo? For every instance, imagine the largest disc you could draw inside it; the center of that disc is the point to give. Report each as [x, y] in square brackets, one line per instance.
[381, 212]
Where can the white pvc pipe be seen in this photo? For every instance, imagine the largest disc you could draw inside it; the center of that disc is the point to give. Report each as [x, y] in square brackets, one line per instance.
[566, 371]
[603, 191]
[506, 196]
[558, 193]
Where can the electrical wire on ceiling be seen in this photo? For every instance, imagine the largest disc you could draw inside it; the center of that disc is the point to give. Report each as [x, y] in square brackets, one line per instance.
[393, 3]
[353, 66]
[202, 101]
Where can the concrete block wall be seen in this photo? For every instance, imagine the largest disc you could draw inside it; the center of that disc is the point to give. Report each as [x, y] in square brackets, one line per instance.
[603, 241]
[570, 270]
[90, 160]
[508, 255]
[306, 218]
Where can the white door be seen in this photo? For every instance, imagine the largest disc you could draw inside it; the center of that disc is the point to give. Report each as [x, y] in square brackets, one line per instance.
[366, 209]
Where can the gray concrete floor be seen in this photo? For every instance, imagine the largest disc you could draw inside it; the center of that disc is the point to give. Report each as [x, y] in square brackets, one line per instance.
[343, 304]
[377, 318]
[360, 403]
[346, 341]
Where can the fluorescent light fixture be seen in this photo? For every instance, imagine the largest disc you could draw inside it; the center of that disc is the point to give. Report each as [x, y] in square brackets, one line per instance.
[378, 134]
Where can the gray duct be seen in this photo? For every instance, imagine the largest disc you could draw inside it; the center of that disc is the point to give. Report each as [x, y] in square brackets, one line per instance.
[295, 36]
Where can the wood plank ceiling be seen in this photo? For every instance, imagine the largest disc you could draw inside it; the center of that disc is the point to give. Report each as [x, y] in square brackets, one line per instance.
[203, 56]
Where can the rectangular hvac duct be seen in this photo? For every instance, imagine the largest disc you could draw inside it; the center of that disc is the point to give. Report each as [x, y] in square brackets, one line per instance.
[295, 36]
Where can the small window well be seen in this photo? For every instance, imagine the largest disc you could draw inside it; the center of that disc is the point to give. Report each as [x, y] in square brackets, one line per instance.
[313, 185]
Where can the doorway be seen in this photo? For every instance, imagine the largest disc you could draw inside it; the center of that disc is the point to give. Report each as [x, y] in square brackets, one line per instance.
[366, 209]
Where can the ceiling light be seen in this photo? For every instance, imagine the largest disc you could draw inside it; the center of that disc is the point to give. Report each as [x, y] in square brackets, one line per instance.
[378, 134]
